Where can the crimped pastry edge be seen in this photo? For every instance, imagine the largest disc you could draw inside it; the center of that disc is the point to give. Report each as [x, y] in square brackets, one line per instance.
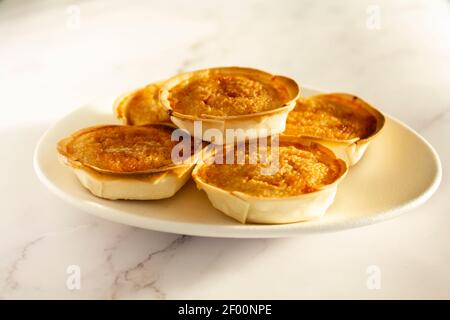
[259, 124]
[121, 104]
[141, 186]
[251, 209]
[351, 150]
[145, 187]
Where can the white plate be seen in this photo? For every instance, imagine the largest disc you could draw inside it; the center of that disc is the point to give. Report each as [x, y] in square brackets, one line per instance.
[399, 171]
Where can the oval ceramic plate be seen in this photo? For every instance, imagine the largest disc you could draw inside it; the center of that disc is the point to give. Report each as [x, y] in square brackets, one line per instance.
[399, 171]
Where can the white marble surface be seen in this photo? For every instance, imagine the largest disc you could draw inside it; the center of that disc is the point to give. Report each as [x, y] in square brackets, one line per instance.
[49, 66]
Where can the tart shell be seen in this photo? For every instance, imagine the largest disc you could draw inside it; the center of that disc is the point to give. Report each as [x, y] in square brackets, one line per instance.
[138, 187]
[143, 98]
[152, 185]
[252, 209]
[260, 124]
[351, 150]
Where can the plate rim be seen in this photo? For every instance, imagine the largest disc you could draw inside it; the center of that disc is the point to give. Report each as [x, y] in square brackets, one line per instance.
[238, 230]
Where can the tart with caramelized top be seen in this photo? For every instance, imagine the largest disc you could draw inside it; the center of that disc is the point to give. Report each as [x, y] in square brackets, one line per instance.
[141, 106]
[300, 186]
[230, 98]
[127, 162]
[342, 122]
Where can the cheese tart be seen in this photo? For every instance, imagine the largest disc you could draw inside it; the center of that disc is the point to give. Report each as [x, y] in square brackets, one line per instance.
[342, 122]
[301, 187]
[230, 98]
[127, 162]
[141, 106]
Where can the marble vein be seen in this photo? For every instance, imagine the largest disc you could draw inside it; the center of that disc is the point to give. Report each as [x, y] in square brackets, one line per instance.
[11, 282]
[142, 276]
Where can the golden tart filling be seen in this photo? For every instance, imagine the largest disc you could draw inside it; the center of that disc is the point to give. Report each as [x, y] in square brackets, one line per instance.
[121, 149]
[224, 95]
[227, 92]
[254, 101]
[127, 162]
[301, 169]
[142, 107]
[330, 117]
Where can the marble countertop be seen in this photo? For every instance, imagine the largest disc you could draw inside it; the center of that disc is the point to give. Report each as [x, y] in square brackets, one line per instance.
[58, 55]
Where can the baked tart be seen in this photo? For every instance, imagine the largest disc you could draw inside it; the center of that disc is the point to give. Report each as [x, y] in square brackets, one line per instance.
[230, 98]
[141, 106]
[342, 122]
[127, 162]
[302, 186]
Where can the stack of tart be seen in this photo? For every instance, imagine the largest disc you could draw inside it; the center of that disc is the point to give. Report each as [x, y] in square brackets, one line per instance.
[313, 142]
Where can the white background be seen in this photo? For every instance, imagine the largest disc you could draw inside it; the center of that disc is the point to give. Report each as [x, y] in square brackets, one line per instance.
[50, 65]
